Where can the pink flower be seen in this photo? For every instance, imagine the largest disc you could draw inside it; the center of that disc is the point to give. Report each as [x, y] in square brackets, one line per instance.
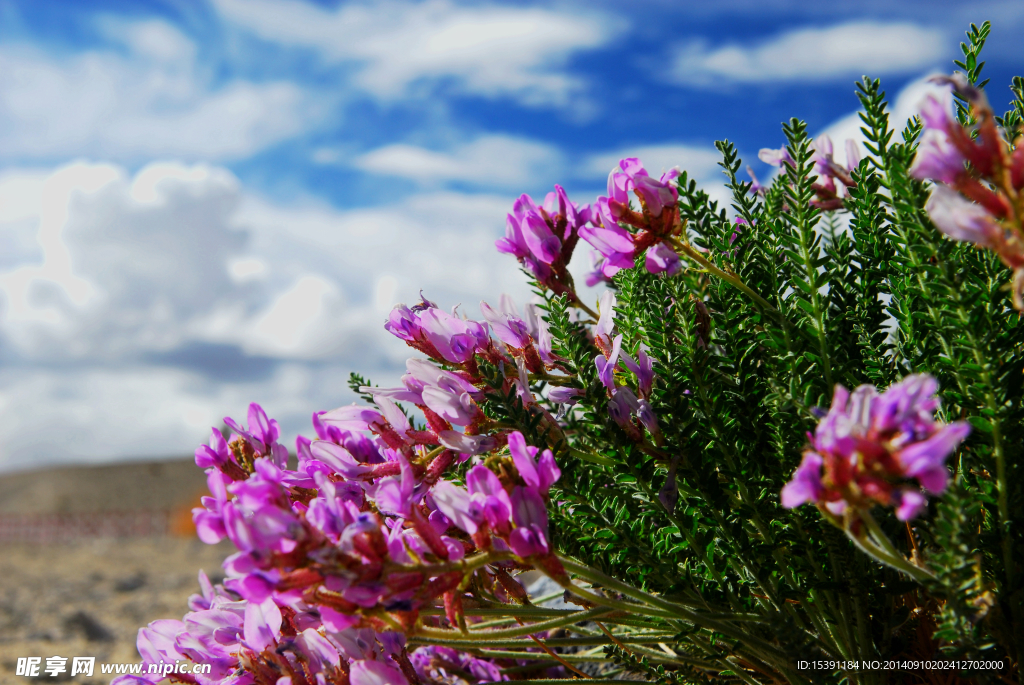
[937, 158]
[531, 517]
[961, 219]
[377, 672]
[539, 474]
[869, 445]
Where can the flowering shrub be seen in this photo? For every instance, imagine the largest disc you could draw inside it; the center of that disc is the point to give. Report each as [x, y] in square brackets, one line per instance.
[655, 456]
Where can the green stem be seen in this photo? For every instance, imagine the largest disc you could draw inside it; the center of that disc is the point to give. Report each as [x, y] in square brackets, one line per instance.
[886, 553]
[728, 277]
[579, 305]
[766, 651]
[466, 565]
[574, 617]
[550, 642]
[598, 459]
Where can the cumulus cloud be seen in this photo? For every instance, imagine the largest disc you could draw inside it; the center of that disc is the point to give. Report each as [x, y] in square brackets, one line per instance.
[698, 162]
[148, 98]
[94, 414]
[813, 54]
[123, 259]
[159, 302]
[486, 50]
[488, 161]
[902, 109]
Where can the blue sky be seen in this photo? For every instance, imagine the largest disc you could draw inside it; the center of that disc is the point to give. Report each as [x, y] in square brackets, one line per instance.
[208, 203]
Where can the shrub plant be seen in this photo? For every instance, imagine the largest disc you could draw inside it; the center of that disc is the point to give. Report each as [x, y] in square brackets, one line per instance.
[785, 445]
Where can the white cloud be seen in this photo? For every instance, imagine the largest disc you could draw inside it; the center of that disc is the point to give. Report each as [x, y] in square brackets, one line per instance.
[699, 162]
[813, 54]
[906, 105]
[489, 161]
[487, 50]
[164, 300]
[149, 99]
[131, 412]
[122, 260]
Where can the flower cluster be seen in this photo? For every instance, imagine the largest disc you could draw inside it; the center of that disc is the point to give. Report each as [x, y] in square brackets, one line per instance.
[543, 237]
[978, 177]
[877, 449]
[828, 195]
[657, 219]
[624, 404]
[338, 558]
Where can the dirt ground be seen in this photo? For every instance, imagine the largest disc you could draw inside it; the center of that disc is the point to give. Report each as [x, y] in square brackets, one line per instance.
[90, 598]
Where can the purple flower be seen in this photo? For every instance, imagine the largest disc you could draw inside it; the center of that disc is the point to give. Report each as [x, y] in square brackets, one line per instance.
[564, 395]
[488, 499]
[806, 483]
[822, 153]
[613, 242]
[207, 594]
[596, 274]
[531, 518]
[156, 642]
[456, 503]
[539, 474]
[376, 672]
[662, 258]
[870, 444]
[606, 365]
[542, 238]
[643, 368]
[926, 460]
[775, 157]
[319, 654]
[852, 154]
[909, 503]
[214, 455]
[937, 158]
[961, 219]
[509, 328]
[209, 519]
[451, 404]
[263, 530]
[543, 244]
[466, 444]
[622, 406]
[404, 324]
[437, 333]
[937, 113]
[540, 332]
[339, 459]
[262, 625]
[606, 320]
[351, 418]
[486, 502]
[433, 664]
[645, 414]
[657, 194]
[455, 339]
[428, 375]
[394, 495]
[261, 435]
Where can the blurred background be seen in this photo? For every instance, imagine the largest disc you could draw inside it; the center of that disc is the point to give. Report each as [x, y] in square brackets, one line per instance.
[205, 203]
[208, 203]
